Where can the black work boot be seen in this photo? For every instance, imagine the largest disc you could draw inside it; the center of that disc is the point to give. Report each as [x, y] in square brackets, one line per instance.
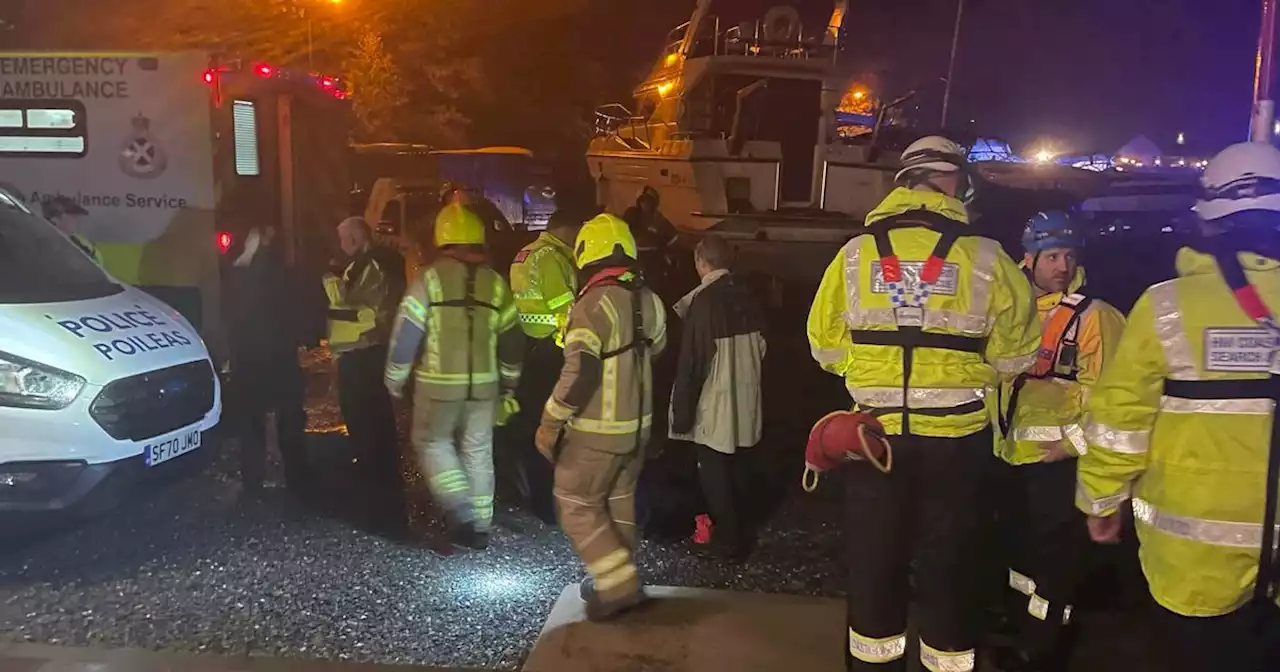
[465, 534]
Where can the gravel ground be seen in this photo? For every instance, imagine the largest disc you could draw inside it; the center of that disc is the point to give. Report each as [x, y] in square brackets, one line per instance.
[197, 567]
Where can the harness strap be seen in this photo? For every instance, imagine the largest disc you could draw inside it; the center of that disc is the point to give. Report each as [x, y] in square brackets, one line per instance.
[909, 310]
[1246, 295]
[1064, 354]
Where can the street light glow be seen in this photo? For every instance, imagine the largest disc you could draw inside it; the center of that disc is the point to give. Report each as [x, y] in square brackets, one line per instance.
[1044, 156]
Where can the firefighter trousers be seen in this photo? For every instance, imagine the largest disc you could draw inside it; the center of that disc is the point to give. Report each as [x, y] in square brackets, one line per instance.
[1046, 538]
[915, 527]
[453, 441]
[596, 495]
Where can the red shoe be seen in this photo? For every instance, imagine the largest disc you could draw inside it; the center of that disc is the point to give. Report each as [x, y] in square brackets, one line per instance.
[702, 527]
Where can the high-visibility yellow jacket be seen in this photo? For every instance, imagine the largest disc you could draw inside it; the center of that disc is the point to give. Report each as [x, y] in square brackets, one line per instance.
[87, 246]
[458, 321]
[1051, 408]
[1194, 468]
[981, 297]
[360, 305]
[604, 397]
[545, 282]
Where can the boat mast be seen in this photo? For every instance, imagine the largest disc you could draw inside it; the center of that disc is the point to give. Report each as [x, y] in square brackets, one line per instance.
[1264, 107]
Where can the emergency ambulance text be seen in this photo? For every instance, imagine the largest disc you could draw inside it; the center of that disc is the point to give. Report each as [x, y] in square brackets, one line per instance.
[121, 343]
[129, 200]
[99, 77]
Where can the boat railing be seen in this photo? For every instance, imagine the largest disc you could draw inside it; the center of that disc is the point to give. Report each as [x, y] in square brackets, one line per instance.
[749, 38]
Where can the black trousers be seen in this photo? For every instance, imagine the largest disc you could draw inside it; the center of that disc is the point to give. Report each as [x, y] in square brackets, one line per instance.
[915, 527]
[1246, 640]
[262, 388]
[726, 486]
[533, 474]
[371, 422]
[1046, 538]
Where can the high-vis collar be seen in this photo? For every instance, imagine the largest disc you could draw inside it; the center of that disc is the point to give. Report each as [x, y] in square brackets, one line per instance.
[550, 239]
[903, 200]
[1193, 262]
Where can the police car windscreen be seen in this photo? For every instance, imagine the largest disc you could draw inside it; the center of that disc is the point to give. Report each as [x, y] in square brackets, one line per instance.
[39, 265]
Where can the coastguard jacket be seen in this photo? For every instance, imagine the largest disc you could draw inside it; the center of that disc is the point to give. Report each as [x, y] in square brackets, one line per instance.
[545, 282]
[976, 328]
[604, 397]
[1036, 410]
[458, 321]
[1194, 468]
[716, 400]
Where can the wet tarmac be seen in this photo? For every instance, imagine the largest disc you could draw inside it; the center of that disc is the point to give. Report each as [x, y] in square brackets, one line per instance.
[199, 567]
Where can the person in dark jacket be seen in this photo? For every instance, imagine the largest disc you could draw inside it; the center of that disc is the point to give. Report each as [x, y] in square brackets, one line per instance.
[716, 400]
[265, 370]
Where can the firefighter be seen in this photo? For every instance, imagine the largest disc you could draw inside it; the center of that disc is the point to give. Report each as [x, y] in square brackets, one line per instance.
[654, 234]
[1182, 423]
[545, 283]
[457, 328]
[597, 421]
[1039, 416]
[921, 317]
[361, 308]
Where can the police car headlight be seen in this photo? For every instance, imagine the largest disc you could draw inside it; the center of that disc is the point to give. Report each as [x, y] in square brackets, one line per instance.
[28, 384]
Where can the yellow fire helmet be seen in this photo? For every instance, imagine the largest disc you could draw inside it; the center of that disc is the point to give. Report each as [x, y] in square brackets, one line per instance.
[456, 225]
[600, 238]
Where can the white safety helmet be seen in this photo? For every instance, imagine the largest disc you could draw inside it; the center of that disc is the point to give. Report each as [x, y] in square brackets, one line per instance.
[933, 153]
[1241, 178]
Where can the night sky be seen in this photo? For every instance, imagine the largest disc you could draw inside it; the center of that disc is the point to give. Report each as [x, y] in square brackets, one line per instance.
[1090, 74]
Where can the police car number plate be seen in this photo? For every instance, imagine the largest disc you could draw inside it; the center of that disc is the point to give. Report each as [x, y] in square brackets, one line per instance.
[172, 446]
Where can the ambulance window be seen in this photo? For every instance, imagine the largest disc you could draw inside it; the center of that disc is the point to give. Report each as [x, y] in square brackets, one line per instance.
[45, 128]
[244, 121]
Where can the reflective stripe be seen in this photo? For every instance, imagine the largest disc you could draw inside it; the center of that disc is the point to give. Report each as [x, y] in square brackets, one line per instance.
[1014, 365]
[538, 318]
[456, 378]
[608, 563]
[560, 300]
[588, 339]
[612, 427]
[1225, 406]
[1021, 583]
[557, 410]
[1100, 505]
[827, 356]
[1214, 532]
[877, 649]
[920, 397]
[1125, 441]
[946, 661]
[1044, 433]
[984, 266]
[617, 577]
[1038, 607]
[609, 377]
[415, 310]
[450, 481]
[971, 324]
[852, 261]
[1173, 338]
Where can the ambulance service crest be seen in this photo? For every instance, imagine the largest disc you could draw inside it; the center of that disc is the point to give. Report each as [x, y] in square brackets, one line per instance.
[140, 155]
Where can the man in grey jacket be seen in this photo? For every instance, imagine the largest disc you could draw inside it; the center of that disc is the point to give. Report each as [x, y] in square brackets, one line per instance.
[716, 401]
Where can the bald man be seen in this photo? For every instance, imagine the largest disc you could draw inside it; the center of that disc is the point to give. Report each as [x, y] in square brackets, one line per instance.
[362, 305]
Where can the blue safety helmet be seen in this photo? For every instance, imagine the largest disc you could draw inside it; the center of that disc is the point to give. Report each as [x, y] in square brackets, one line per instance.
[1048, 230]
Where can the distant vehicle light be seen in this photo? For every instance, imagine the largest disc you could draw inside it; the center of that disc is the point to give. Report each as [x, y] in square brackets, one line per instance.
[264, 70]
[208, 76]
[224, 242]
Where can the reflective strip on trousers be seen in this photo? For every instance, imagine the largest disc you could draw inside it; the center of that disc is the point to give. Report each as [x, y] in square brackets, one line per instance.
[1126, 441]
[451, 481]
[1072, 433]
[1021, 583]
[1036, 606]
[1222, 406]
[877, 649]
[920, 397]
[615, 427]
[946, 661]
[612, 570]
[1213, 532]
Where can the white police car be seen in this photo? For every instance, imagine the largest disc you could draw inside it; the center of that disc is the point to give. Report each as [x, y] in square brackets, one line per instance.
[101, 385]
